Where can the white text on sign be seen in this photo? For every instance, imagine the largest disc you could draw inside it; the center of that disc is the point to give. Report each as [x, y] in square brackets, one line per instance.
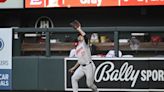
[97, 2]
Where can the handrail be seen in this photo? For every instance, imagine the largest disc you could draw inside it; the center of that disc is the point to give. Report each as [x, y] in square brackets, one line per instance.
[115, 29]
[95, 29]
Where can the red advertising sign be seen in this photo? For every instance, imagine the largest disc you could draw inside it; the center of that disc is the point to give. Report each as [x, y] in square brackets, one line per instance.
[42, 3]
[141, 2]
[89, 3]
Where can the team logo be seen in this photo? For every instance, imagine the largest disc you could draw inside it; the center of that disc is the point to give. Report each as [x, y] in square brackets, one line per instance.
[2, 1]
[1, 44]
[44, 22]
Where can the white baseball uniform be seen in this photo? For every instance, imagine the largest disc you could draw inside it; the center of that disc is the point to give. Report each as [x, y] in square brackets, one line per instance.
[72, 53]
[86, 67]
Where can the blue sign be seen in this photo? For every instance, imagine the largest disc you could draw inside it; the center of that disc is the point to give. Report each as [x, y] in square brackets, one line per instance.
[5, 79]
[5, 58]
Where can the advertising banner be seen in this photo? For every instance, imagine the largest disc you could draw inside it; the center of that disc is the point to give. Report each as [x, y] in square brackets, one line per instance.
[135, 74]
[43, 3]
[141, 2]
[4, 4]
[89, 3]
[5, 58]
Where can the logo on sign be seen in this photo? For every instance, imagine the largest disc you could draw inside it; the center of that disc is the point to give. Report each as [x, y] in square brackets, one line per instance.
[44, 22]
[36, 2]
[106, 71]
[46, 3]
[2, 1]
[97, 2]
[1, 44]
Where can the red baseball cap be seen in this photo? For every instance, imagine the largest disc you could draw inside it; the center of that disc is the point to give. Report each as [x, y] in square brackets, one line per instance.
[75, 44]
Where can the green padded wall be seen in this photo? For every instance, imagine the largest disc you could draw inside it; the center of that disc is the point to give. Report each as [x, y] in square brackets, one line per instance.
[25, 73]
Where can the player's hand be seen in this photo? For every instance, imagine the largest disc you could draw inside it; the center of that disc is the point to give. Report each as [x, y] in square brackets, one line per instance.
[76, 25]
[71, 70]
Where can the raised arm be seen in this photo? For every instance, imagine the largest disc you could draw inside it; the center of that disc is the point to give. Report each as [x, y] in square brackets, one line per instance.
[77, 26]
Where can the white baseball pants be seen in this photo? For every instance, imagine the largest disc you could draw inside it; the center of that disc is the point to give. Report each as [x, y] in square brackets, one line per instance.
[88, 71]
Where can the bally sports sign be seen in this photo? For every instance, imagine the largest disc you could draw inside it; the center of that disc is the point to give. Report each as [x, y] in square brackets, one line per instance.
[122, 74]
[126, 73]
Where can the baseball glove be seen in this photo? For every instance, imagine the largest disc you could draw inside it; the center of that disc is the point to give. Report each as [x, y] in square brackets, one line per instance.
[75, 24]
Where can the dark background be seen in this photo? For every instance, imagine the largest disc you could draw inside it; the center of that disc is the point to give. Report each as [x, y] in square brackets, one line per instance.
[101, 16]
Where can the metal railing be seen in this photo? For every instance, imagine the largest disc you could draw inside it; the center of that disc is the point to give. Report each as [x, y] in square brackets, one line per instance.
[116, 31]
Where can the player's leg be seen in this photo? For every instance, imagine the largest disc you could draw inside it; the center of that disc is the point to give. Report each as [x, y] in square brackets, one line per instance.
[90, 72]
[75, 77]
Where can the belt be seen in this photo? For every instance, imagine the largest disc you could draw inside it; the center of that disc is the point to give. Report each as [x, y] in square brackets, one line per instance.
[86, 64]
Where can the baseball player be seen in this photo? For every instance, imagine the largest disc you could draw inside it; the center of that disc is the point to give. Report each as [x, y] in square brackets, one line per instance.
[85, 65]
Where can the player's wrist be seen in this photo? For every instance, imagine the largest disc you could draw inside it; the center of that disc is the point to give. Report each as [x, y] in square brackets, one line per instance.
[81, 32]
[79, 29]
[73, 68]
